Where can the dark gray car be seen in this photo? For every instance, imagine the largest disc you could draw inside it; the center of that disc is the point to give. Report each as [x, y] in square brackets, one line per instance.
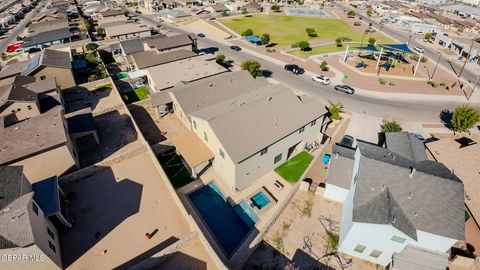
[345, 88]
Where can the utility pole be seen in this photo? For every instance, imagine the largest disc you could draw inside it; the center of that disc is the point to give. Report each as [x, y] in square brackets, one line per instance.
[466, 59]
[436, 65]
[361, 44]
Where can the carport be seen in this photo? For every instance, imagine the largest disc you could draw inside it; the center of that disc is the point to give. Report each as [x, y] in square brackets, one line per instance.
[194, 152]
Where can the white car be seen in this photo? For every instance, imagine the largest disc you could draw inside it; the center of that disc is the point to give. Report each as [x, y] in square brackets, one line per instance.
[321, 79]
[419, 49]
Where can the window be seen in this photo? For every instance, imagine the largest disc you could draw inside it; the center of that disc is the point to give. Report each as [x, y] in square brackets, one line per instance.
[42, 78]
[205, 136]
[222, 153]
[35, 208]
[52, 247]
[376, 253]
[313, 122]
[398, 239]
[277, 159]
[360, 248]
[302, 129]
[194, 124]
[29, 107]
[52, 235]
[264, 151]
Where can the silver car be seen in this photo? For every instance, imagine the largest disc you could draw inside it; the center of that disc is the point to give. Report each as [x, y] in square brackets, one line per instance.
[345, 88]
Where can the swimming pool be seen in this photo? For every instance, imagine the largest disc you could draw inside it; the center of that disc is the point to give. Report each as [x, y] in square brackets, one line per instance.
[229, 225]
[260, 200]
[305, 12]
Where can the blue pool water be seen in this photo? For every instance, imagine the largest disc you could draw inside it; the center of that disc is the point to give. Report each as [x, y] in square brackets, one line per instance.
[260, 200]
[228, 224]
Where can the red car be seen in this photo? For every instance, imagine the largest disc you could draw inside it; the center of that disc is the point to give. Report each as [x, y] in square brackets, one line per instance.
[14, 47]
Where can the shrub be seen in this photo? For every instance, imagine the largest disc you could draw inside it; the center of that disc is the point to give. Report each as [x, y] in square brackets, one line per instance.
[339, 42]
[369, 12]
[244, 11]
[220, 58]
[334, 110]
[324, 66]
[304, 45]
[101, 31]
[276, 8]
[428, 35]
[92, 78]
[91, 46]
[90, 58]
[248, 32]
[251, 66]
[390, 126]
[311, 32]
[382, 81]
[224, 13]
[464, 118]
[351, 14]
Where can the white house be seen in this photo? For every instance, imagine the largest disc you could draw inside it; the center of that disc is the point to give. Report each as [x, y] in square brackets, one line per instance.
[249, 125]
[394, 198]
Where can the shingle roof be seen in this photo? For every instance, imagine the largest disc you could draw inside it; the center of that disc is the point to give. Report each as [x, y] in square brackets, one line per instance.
[203, 93]
[55, 58]
[47, 36]
[341, 166]
[12, 185]
[165, 43]
[250, 122]
[406, 145]
[148, 59]
[130, 46]
[416, 258]
[387, 192]
[31, 136]
[15, 223]
[13, 68]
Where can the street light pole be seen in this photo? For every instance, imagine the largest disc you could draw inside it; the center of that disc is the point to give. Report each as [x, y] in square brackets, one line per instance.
[436, 65]
[466, 59]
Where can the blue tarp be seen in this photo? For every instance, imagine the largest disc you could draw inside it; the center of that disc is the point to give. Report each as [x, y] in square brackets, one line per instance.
[397, 47]
[253, 39]
[46, 195]
[370, 47]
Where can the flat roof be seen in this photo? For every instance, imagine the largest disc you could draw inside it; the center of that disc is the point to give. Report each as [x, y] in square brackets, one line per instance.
[187, 70]
[125, 28]
[32, 136]
[148, 59]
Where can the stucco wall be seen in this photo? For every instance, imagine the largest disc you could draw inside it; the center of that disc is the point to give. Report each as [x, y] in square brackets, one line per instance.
[63, 77]
[35, 259]
[335, 193]
[54, 162]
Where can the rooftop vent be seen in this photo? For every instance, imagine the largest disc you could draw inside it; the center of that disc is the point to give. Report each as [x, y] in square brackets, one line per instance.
[412, 171]
[410, 195]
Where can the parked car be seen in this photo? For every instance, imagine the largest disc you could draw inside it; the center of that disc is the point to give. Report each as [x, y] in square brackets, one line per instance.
[295, 69]
[138, 11]
[345, 88]
[201, 35]
[321, 79]
[14, 47]
[347, 141]
[419, 49]
[235, 48]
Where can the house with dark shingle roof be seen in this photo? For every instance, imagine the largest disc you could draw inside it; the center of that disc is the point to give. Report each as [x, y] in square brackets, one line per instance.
[391, 200]
[26, 214]
[54, 64]
[163, 43]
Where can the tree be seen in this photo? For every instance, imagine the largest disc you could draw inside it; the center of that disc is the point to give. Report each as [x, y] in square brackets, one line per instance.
[276, 8]
[428, 35]
[304, 45]
[369, 12]
[101, 31]
[324, 66]
[251, 66]
[91, 46]
[244, 11]
[311, 32]
[265, 39]
[351, 14]
[372, 41]
[220, 58]
[91, 59]
[339, 42]
[464, 118]
[334, 110]
[248, 32]
[390, 126]
[224, 13]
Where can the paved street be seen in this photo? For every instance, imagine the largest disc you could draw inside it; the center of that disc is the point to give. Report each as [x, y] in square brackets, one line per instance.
[416, 111]
[20, 27]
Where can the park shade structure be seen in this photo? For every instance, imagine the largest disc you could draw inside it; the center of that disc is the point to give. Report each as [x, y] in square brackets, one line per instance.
[402, 48]
[254, 39]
